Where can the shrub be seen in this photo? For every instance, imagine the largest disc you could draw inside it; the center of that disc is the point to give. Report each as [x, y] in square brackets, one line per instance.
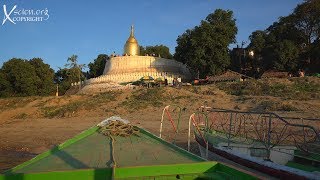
[277, 106]
[21, 116]
[88, 104]
[298, 88]
[145, 97]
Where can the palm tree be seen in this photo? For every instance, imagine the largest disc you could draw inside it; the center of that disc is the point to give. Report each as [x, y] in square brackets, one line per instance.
[73, 64]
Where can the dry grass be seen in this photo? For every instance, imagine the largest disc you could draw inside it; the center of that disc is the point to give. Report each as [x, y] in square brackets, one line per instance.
[296, 88]
[143, 98]
[86, 103]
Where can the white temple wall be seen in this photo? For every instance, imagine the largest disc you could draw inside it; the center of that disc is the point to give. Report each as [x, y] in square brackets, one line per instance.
[125, 64]
[132, 68]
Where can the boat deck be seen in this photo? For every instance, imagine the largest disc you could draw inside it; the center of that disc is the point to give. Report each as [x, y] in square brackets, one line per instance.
[142, 156]
[94, 150]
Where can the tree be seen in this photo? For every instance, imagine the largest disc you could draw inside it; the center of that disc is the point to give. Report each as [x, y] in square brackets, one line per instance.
[205, 47]
[64, 77]
[286, 56]
[183, 49]
[157, 50]
[258, 41]
[285, 29]
[307, 19]
[45, 74]
[142, 50]
[75, 68]
[96, 67]
[315, 57]
[282, 42]
[20, 78]
[5, 86]
[291, 43]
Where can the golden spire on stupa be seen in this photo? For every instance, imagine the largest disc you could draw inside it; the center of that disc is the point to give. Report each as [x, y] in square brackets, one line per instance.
[131, 48]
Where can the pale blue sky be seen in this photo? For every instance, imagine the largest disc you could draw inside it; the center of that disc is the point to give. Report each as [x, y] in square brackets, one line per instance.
[88, 28]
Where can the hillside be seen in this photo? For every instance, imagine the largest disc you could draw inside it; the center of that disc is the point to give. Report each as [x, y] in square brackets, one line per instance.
[31, 125]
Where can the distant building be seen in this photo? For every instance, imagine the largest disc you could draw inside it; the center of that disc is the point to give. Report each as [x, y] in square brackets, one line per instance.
[238, 59]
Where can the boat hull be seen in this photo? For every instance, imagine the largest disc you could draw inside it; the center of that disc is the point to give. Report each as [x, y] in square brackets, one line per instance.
[207, 150]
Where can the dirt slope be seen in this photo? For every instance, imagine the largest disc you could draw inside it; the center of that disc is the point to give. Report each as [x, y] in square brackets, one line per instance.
[31, 125]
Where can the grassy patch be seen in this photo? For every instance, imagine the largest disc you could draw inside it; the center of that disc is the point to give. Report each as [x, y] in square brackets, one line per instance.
[21, 116]
[87, 104]
[101, 98]
[15, 102]
[193, 89]
[241, 88]
[297, 88]
[145, 97]
[277, 106]
[174, 98]
[62, 111]
[209, 92]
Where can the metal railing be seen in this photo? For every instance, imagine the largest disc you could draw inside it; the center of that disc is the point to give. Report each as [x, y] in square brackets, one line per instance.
[261, 129]
[175, 125]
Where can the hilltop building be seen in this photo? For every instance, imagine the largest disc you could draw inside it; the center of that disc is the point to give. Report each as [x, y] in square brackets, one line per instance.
[132, 66]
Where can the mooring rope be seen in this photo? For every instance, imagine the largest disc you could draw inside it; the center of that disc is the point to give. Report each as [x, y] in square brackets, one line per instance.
[113, 158]
[117, 128]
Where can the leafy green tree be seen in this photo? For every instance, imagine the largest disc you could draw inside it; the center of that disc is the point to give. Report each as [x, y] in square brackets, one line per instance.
[205, 47]
[184, 47]
[258, 41]
[142, 51]
[285, 29]
[20, 78]
[75, 69]
[45, 74]
[315, 57]
[286, 56]
[5, 86]
[71, 73]
[157, 50]
[291, 43]
[307, 19]
[64, 77]
[277, 47]
[96, 67]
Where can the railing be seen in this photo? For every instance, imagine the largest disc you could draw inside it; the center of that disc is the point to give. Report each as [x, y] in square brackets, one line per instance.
[175, 125]
[264, 130]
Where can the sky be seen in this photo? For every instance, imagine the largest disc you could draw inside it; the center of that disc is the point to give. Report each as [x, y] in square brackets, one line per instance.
[88, 28]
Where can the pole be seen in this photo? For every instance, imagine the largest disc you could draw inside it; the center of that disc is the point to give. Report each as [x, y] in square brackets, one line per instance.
[269, 137]
[189, 131]
[57, 92]
[162, 119]
[79, 78]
